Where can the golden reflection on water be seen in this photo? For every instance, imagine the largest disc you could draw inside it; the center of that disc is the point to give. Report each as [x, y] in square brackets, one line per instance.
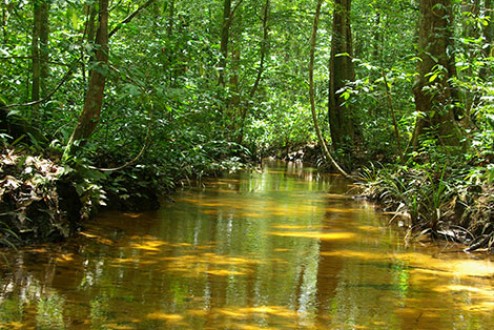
[314, 235]
[278, 249]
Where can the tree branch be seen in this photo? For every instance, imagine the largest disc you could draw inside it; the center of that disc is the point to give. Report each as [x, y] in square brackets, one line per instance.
[129, 18]
[64, 79]
[232, 13]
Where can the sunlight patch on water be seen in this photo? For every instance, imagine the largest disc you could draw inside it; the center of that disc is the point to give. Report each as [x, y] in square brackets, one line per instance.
[225, 272]
[96, 237]
[353, 254]
[65, 258]
[241, 312]
[164, 317]
[115, 326]
[279, 226]
[314, 235]
[454, 267]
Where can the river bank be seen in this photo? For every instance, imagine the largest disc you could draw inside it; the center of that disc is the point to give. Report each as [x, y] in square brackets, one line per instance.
[41, 200]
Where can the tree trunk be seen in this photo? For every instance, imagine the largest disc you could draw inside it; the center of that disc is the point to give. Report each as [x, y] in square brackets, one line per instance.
[44, 34]
[89, 33]
[232, 111]
[35, 53]
[93, 102]
[434, 96]
[263, 52]
[5, 15]
[322, 142]
[488, 33]
[225, 36]
[169, 51]
[341, 72]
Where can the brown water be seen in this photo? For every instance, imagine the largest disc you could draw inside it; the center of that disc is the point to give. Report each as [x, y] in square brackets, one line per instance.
[281, 249]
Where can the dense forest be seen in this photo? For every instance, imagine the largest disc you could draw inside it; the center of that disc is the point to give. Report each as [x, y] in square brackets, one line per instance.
[118, 102]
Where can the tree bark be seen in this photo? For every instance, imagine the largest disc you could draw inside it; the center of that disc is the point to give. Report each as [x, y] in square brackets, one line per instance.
[44, 55]
[35, 53]
[93, 102]
[435, 98]
[225, 37]
[169, 52]
[91, 11]
[5, 15]
[341, 73]
[322, 142]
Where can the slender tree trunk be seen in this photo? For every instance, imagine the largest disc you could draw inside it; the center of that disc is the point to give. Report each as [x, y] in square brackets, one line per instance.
[89, 33]
[225, 37]
[233, 115]
[322, 141]
[341, 73]
[434, 96]
[389, 99]
[263, 52]
[5, 15]
[377, 38]
[264, 47]
[470, 10]
[169, 51]
[93, 102]
[39, 53]
[35, 53]
[488, 33]
[44, 54]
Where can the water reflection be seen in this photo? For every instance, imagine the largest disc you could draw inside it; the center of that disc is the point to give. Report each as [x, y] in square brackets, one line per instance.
[282, 248]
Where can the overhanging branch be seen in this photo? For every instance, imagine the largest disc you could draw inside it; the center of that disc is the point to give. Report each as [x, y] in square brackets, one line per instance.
[130, 17]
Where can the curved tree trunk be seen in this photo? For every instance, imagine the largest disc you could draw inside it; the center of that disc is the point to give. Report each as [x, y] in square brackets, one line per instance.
[93, 102]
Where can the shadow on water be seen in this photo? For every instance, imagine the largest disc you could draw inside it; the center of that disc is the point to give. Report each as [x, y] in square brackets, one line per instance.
[281, 248]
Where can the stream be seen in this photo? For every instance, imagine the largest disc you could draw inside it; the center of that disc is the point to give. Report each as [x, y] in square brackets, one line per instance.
[282, 248]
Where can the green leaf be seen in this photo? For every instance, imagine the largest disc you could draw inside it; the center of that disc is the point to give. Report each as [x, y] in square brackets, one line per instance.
[433, 76]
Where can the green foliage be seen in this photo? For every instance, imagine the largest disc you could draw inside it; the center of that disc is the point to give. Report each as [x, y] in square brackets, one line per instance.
[441, 201]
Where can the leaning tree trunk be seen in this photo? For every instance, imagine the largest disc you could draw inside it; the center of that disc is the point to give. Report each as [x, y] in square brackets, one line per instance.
[435, 98]
[341, 72]
[93, 102]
